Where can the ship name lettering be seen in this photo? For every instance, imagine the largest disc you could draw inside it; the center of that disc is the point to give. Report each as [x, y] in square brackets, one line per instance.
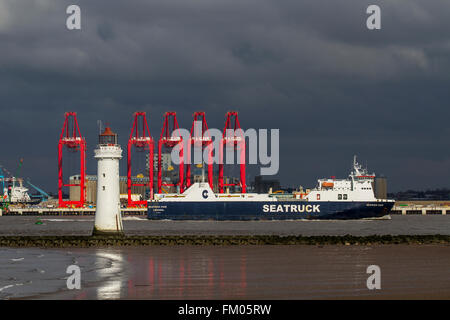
[291, 208]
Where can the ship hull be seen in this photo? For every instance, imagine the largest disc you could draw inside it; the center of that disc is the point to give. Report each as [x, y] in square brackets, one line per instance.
[29, 202]
[264, 210]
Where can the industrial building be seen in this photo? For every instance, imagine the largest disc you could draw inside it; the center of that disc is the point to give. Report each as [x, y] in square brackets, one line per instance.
[263, 186]
[165, 161]
[137, 192]
[380, 187]
[91, 188]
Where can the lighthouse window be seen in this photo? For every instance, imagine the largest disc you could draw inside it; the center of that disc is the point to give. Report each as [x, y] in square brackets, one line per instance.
[103, 188]
[104, 175]
[339, 196]
[345, 197]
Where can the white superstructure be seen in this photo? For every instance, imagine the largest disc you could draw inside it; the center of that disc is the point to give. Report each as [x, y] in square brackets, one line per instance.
[19, 194]
[357, 187]
[201, 191]
[108, 218]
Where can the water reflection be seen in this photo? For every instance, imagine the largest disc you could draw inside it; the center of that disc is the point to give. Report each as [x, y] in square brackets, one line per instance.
[111, 271]
[228, 272]
[262, 272]
[186, 273]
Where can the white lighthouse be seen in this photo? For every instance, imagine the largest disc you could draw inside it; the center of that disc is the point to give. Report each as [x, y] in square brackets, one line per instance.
[108, 219]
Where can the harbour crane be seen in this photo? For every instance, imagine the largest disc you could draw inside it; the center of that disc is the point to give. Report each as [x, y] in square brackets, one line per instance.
[4, 201]
[72, 139]
[12, 179]
[236, 141]
[2, 178]
[19, 167]
[141, 139]
[44, 196]
[171, 138]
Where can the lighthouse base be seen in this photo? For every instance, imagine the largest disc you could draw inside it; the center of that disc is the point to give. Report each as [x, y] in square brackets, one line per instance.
[99, 232]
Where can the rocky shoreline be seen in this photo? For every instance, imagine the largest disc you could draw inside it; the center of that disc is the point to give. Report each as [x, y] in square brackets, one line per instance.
[120, 241]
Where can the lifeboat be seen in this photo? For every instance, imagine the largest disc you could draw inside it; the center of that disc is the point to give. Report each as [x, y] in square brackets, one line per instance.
[327, 184]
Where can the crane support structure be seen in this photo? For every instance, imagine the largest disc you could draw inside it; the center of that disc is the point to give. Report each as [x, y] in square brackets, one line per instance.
[4, 193]
[72, 139]
[201, 140]
[140, 138]
[234, 140]
[171, 141]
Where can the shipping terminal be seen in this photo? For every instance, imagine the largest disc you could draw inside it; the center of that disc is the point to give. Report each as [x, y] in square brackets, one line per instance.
[188, 196]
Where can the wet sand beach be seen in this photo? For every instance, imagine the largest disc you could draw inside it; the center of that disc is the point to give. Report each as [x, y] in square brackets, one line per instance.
[83, 225]
[228, 272]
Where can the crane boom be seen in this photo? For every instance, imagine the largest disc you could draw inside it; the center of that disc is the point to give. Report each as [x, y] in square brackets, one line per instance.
[19, 167]
[44, 194]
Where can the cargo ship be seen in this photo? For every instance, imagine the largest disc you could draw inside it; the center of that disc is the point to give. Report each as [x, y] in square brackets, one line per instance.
[17, 194]
[350, 198]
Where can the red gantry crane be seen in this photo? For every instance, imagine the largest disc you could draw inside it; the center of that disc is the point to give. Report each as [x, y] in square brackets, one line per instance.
[72, 139]
[140, 138]
[200, 140]
[167, 140]
[234, 140]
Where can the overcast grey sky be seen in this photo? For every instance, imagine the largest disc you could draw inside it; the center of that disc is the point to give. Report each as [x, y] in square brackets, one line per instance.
[310, 68]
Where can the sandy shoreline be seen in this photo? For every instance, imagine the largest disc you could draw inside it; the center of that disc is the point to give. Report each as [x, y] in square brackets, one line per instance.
[240, 272]
[226, 260]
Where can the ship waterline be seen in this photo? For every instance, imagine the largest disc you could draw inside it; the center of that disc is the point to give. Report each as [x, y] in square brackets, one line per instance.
[282, 210]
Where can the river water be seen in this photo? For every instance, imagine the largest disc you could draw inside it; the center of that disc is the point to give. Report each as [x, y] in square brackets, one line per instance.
[227, 272]
[83, 225]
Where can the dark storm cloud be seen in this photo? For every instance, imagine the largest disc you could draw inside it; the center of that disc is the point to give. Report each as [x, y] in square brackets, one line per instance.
[310, 68]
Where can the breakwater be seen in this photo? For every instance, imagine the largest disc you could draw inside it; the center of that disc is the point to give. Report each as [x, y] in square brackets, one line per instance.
[106, 241]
